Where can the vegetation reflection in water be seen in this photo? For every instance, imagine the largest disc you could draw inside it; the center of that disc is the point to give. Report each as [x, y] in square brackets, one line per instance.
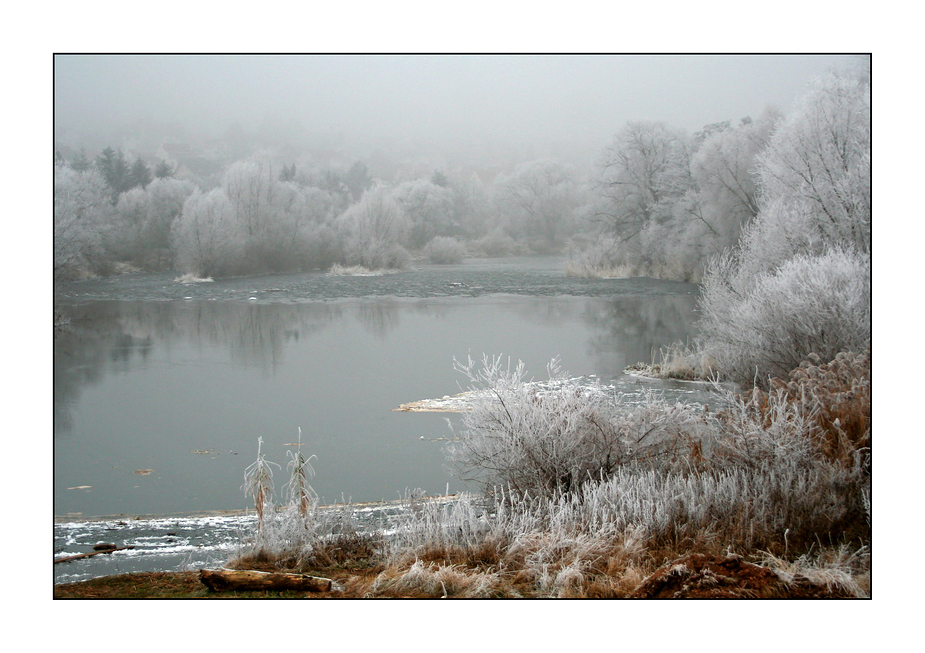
[182, 388]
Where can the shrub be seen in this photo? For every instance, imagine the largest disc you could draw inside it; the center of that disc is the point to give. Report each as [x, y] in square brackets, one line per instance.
[759, 477]
[766, 325]
[760, 466]
[442, 249]
[531, 439]
[496, 244]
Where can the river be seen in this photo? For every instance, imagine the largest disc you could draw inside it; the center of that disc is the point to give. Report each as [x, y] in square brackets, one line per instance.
[161, 389]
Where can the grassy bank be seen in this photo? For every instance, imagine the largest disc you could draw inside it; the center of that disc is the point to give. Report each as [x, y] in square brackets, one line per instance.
[765, 495]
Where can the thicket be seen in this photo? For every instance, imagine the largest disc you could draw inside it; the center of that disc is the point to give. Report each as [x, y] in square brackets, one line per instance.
[587, 494]
[259, 216]
[799, 281]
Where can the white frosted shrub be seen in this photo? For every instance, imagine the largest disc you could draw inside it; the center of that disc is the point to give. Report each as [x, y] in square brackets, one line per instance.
[769, 324]
[496, 243]
[601, 258]
[443, 249]
[532, 439]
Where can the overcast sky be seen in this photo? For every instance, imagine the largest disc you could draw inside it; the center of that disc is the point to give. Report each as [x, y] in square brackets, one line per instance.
[584, 98]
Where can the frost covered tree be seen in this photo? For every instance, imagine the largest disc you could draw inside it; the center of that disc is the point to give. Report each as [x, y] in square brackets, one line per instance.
[207, 237]
[473, 201]
[82, 213]
[166, 197]
[723, 176]
[373, 230]
[541, 199]
[127, 241]
[250, 187]
[271, 214]
[723, 196]
[799, 280]
[817, 165]
[643, 173]
[429, 207]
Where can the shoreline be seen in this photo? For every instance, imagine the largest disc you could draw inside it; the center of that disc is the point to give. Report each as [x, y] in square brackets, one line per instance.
[78, 518]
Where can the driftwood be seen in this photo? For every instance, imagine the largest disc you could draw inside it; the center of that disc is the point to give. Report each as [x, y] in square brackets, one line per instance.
[108, 549]
[229, 579]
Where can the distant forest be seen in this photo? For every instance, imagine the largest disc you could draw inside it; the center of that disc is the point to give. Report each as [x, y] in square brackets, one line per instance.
[660, 203]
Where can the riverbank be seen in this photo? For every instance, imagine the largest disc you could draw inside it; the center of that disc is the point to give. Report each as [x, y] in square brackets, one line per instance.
[695, 576]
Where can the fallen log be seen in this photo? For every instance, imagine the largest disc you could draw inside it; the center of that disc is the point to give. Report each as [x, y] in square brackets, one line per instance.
[232, 579]
[92, 553]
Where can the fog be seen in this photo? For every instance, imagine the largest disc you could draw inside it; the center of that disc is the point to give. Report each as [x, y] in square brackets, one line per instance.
[572, 101]
[224, 165]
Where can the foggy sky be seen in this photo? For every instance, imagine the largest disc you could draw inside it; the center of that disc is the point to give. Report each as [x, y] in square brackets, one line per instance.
[416, 98]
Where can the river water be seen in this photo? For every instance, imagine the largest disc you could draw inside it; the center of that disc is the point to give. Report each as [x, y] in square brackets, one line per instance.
[161, 389]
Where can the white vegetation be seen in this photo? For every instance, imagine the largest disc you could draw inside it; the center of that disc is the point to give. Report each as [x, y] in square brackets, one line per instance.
[799, 282]
[535, 442]
[207, 240]
[373, 231]
[587, 494]
[540, 199]
[767, 325]
[443, 249]
[82, 212]
[429, 208]
[669, 201]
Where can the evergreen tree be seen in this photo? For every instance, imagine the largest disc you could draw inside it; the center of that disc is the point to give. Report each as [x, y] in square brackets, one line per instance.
[357, 180]
[140, 174]
[163, 170]
[115, 170]
[80, 162]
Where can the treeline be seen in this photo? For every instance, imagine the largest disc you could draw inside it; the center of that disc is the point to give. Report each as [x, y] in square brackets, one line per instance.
[661, 203]
[263, 215]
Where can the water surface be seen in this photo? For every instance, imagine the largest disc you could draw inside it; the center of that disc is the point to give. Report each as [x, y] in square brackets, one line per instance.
[162, 389]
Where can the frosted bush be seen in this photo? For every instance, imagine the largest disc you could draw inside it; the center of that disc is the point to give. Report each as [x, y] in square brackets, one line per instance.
[750, 471]
[442, 249]
[598, 259]
[531, 441]
[496, 243]
[767, 326]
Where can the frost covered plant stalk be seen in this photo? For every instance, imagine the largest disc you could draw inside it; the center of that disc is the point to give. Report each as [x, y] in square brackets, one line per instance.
[300, 469]
[258, 484]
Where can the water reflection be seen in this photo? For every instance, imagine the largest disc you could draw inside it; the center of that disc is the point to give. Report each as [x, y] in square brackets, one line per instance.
[142, 384]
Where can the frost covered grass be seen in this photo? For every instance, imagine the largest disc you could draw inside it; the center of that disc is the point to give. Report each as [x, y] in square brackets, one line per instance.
[606, 258]
[338, 270]
[586, 496]
[677, 361]
[189, 277]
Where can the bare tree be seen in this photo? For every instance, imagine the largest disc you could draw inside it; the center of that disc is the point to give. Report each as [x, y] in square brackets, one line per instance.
[643, 173]
[542, 197]
[207, 237]
[373, 229]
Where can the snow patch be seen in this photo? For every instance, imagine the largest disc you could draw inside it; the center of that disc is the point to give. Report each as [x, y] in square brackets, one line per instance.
[192, 278]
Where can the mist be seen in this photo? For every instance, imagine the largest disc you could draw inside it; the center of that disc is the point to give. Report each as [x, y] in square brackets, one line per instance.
[270, 163]
[265, 247]
[417, 100]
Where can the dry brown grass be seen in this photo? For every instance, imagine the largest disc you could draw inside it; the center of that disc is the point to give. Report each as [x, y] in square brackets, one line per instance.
[838, 396]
